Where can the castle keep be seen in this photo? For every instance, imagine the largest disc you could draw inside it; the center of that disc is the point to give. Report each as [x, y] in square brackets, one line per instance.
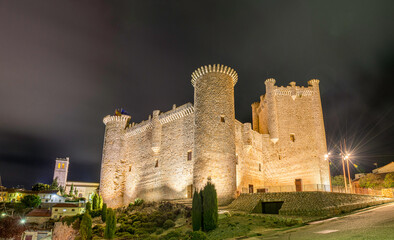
[172, 153]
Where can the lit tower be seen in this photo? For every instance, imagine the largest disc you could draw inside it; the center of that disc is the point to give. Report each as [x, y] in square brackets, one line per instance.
[111, 178]
[61, 171]
[214, 130]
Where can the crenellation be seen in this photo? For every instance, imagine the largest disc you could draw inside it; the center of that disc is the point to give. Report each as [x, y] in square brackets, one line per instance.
[172, 153]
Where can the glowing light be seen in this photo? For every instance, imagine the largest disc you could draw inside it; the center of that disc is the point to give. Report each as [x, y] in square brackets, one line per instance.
[3, 214]
[23, 221]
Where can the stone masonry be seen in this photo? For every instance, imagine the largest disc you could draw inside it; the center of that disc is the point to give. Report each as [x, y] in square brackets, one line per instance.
[172, 153]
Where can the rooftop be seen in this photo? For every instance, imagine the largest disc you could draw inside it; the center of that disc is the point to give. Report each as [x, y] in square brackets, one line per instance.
[39, 213]
[65, 205]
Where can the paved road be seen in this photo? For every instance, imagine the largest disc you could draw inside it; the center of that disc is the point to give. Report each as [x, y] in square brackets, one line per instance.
[376, 224]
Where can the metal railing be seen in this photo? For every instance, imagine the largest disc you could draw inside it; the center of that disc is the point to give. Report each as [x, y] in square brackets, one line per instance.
[386, 192]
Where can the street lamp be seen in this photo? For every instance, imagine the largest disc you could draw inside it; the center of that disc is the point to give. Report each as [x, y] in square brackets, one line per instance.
[344, 171]
[3, 214]
[348, 171]
[23, 221]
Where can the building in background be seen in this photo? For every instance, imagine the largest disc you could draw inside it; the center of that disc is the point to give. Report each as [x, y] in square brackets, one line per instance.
[79, 189]
[61, 171]
[385, 169]
[66, 209]
[83, 189]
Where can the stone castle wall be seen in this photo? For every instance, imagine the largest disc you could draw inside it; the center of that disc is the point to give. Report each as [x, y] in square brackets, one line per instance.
[172, 153]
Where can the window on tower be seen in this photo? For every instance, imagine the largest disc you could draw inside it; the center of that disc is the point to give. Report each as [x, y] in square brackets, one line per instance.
[62, 165]
[189, 155]
[292, 137]
[58, 166]
[222, 119]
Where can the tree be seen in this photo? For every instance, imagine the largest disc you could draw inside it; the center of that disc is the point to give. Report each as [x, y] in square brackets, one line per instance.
[338, 181]
[110, 226]
[40, 187]
[210, 207]
[88, 207]
[104, 212]
[85, 229]
[31, 201]
[95, 202]
[54, 185]
[71, 193]
[75, 192]
[61, 189]
[100, 202]
[10, 228]
[370, 181]
[389, 180]
[197, 211]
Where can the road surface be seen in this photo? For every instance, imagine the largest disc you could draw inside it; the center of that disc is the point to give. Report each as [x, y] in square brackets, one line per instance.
[376, 224]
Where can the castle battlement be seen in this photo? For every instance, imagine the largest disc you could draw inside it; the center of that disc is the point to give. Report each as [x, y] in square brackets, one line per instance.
[218, 68]
[166, 117]
[122, 118]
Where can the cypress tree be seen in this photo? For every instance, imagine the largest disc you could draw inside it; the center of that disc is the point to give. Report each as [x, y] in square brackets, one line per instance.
[104, 212]
[85, 229]
[95, 202]
[88, 207]
[110, 226]
[210, 207]
[100, 202]
[196, 211]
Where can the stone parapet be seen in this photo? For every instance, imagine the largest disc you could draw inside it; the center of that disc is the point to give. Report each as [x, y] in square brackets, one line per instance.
[218, 68]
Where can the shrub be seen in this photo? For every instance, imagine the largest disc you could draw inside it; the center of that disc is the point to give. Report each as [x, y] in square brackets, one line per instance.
[196, 211]
[104, 212]
[95, 213]
[198, 235]
[88, 207]
[31, 201]
[138, 202]
[172, 235]
[95, 202]
[85, 230]
[98, 230]
[370, 180]
[210, 207]
[389, 180]
[168, 224]
[110, 226]
[159, 231]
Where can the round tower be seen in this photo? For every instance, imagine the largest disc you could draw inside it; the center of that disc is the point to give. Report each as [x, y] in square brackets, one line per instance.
[111, 178]
[272, 113]
[214, 130]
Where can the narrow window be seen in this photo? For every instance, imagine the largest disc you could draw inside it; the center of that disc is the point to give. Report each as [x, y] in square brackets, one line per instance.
[280, 157]
[62, 165]
[58, 166]
[222, 119]
[157, 163]
[292, 137]
[236, 159]
[129, 168]
[189, 155]
[260, 167]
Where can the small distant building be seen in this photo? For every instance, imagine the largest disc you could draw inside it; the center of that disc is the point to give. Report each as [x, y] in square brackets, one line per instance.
[66, 209]
[38, 216]
[14, 195]
[385, 169]
[61, 171]
[37, 235]
[84, 189]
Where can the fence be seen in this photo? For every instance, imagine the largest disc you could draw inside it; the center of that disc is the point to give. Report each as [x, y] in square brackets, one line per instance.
[386, 192]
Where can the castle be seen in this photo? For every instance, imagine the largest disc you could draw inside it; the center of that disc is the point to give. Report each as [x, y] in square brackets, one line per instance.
[172, 153]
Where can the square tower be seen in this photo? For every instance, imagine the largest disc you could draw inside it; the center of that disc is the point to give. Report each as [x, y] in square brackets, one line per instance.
[61, 171]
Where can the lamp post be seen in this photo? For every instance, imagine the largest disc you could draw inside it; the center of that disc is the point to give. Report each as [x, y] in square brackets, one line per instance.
[344, 172]
[348, 172]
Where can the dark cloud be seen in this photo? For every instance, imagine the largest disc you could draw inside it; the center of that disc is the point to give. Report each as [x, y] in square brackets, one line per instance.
[65, 65]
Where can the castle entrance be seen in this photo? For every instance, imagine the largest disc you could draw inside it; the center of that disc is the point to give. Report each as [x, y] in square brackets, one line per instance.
[298, 185]
[250, 188]
[190, 191]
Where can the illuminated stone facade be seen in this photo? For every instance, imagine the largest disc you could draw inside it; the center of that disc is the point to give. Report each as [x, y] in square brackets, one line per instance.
[172, 153]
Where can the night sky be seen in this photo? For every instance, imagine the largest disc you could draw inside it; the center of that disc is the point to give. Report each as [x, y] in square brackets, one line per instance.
[64, 65]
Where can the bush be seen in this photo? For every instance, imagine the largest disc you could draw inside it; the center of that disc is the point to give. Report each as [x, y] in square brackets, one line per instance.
[172, 235]
[104, 212]
[31, 201]
[198, 235]
[88, 207]
[138, 202]
[98, 230]
[210, 207]
[389, 180]
[196, 211]
[168, 224]
[371, 180]
[85, 230]
[110, 226]
[159, 231]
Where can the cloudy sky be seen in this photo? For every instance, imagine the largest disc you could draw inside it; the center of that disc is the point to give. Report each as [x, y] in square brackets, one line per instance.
[64, 65]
